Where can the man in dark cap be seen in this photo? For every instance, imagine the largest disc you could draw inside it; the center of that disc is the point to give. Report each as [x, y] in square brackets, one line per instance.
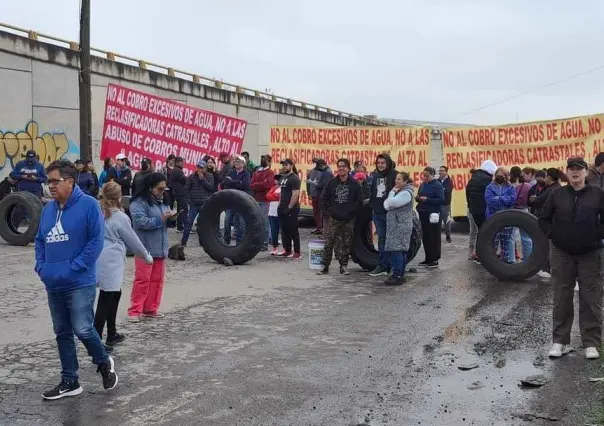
[29, 174]
[288, 210]
[317, 179]
[573, 220]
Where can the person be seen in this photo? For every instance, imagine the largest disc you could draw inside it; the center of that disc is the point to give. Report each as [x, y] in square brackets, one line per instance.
[121, 173]
[261, 182]
[211, 168]
[342, 198]
[167, 170]
[84, 179]
[528, 174]
[110, 265]
[149, 216]
[445, 212]
[29, 174]
[595, 175]
[523, 190]
[199, 187]
[501, 195]
[430, 198]
[573, 220]
[273, 197]
[536, 189]
[107, 165]
[67, 245]
[177, 188]
[399, 218]
[317, 179]
[89, 165]
[138, 183]
[251, 167]
[288, 210]
[383, 181]
[237, 178]
[225, 160]
[475, 190]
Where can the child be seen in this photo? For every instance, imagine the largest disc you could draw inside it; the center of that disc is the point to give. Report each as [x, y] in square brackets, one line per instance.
[119, 236]
[273, 218]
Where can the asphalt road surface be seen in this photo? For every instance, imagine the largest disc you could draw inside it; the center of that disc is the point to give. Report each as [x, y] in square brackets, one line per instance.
[271, 343]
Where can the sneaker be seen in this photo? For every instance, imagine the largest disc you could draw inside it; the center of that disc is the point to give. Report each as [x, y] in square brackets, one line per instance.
[378, 271]
[592, 353]
[284, 253]
[558, 350]
[316, 232]
[134, 319]
[323, 271]
[154, 315]
[107, 371]
[64, 389]
[179, 231]
[115, 339]
[448, 239]
[274, 252]
[394, 280]
[577, 286]
[344, 270]
[295, 256]
[543, 274]
[431, 265]
[424, 263]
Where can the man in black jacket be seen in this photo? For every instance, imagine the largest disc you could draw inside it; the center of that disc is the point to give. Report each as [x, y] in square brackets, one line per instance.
[573, 219]
[177, 188]
[445, 211]
[475, 191]
[138, 183]
[199, 187]
[342, 198]
[382, 183]
[552, 182]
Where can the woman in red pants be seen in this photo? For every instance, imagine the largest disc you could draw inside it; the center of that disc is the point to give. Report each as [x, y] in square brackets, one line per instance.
[149, 216]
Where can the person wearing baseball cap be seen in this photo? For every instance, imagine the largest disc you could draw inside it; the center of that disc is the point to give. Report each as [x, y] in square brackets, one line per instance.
[199, 187]
[573, 220]
[121, 173]
[29, 174]
[288, 210]
[138, 183]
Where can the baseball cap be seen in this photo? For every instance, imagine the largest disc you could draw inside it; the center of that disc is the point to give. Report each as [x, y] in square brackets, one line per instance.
[360, 176]
[202, 164]
[576, 162]
[79, 161]
[31, 154]
[120, 156]
[320, 162]
[288, 161]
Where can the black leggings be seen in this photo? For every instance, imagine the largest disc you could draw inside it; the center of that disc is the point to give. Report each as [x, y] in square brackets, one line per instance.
[289, 230]
[430, 238]
[106, 311]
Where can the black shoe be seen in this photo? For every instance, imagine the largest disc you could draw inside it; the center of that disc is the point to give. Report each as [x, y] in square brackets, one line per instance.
[393, 280]
[424, 263]
[64, 389]
[431, 265]
[344, 270]
[448, 239]
[323, 271]
[115, 339]
[107, 371]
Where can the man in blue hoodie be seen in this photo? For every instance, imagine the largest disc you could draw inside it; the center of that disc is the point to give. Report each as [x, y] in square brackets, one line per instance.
[29, 174]
[68, 244]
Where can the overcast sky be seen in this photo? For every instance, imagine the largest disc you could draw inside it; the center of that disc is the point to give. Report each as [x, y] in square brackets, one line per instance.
[434, 60]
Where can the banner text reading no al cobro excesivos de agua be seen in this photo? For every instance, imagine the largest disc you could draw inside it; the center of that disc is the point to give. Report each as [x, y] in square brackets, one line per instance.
[539, 145]
[408, 147]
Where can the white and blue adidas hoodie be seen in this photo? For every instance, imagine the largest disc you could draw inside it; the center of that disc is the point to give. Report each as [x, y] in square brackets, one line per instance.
[69, 242]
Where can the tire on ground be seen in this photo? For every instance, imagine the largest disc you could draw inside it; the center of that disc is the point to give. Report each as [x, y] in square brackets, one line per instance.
[255, 226]
[363, 251]
[521, 270]
[32, 204]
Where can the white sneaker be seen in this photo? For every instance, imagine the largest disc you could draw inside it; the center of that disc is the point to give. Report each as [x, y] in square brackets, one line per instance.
[543, 274]
[592, 353]
[577, 286]
[558, 350]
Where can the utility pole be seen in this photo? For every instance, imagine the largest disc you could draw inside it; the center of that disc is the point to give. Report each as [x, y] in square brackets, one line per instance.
[85, 91]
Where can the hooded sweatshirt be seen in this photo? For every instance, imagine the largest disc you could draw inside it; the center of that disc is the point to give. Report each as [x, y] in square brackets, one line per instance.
[595, 178]
[381, 185]
[342, 200]
[86, 182]
[318, 178]
[435, 197]
[262, 181]
[69, 242]
[477, 186]
[31, 168]
[122, 176]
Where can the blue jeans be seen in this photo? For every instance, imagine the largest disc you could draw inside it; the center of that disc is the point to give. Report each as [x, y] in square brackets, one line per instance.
[235, 220]
[275, 226]
[193, 211]
[379, 219]
[264, 207]
[399, 262]
[527, 246]
[72, 312]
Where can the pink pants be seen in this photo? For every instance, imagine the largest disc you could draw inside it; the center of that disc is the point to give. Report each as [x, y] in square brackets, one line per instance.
[147, 288]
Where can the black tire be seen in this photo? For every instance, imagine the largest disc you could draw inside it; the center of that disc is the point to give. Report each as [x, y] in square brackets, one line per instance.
[32, 204]
[255, 226]
[519, 271]
[363, 251]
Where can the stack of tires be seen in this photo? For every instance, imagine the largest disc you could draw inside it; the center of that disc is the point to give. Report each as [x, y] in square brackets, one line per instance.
[14, 207]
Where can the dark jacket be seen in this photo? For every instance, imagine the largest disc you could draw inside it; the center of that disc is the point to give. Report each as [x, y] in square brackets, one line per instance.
[224, 172]
[475, 191]
[86, 182]
[447, 184]
[138, 183]
[595, 178]
[536, 190]
[574, 220]
[177, 182]
[33, 169]
[381, 185]
[436, 197]
[539, 203]
[123, 177]
[97, 187]
[237, 180]
[342, 200]
[317, 180]
[262, 181]
[198, 190]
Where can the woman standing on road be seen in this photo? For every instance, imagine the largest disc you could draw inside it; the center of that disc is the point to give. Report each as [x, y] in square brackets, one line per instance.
[149, 216]
[119, 236]
[501, 195]
[430, 197]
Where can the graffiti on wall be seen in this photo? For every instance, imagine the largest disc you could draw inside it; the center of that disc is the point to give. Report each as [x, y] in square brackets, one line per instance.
[50, 146]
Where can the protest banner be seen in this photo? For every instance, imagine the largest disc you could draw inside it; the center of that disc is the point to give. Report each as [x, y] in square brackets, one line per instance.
[538, 145]
[142, 125]
[408, 147]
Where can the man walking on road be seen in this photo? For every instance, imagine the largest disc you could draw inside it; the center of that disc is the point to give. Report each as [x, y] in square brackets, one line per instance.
[67, 246]
[342, 198]
[573, 219]
[445, 211]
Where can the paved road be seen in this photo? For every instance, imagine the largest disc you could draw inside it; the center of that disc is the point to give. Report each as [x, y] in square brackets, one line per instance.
[270, 343]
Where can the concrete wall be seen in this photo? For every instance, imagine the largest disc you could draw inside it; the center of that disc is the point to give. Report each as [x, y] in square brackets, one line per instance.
[39, 101]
